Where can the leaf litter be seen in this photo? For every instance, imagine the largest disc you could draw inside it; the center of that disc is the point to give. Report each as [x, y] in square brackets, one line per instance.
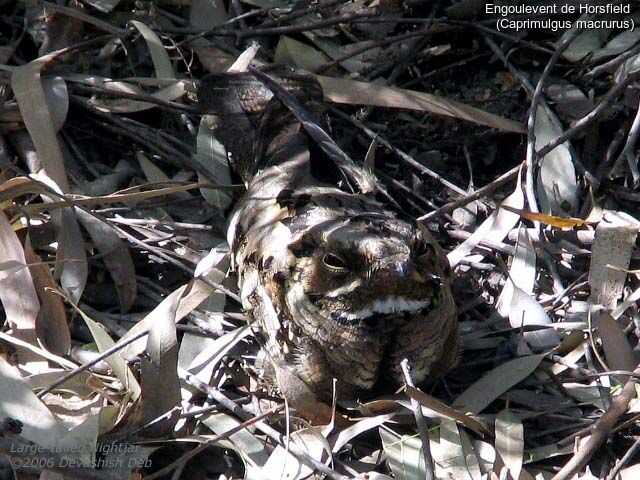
[122, 325]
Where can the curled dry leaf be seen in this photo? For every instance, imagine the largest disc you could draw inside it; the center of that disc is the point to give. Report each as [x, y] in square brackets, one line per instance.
[209, 354]
[104, 6]
[569, 99]
[618, 44]
[522, 273]
[629, 66]
[154, 174]
[526, 311]
[472, 456]
[334, 50]
[245, 58]
[169, 93]
[70, 255]
[629, 301]
[200, 354]
[28, 89]
[516, 300]
[27, 86]
[364, 425]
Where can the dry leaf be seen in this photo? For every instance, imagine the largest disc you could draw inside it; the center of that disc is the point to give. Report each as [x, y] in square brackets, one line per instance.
[116, 257]
[480, 394]
[26, 83]
[558, 222]
[404, 454]
[617, 351]
[159, 56]
[17, 292]
[116, 362]
[244, 442]
[620, 43]
[613, 245]
[453, 456]
[159, 372]
[494, 228]
[293, 52]
[20, 403]
[353, 92]
[557, 185]
[282, 464]
[190, 295]
[510, 441]
[212, 157]
[585, 43]
[52, 326]
[361, 426]
[207, 14]
[447, 412]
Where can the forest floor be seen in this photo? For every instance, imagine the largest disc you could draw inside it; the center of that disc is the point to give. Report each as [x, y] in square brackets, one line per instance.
[510, 133]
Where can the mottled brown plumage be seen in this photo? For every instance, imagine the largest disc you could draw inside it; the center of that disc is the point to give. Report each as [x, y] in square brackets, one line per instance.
[341, 284]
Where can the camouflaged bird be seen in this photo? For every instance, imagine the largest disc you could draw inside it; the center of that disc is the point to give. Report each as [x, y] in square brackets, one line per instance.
[341, 284]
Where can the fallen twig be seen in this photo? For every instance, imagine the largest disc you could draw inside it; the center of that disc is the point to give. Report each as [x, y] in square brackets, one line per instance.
[601, 430]
[421, 424]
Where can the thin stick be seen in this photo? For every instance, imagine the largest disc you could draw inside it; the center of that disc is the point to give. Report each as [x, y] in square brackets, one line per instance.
[592, 116]
[257, 32]
[600, 430]
[85, 366]
[421, 423]
[624, 460]
[371, 46]
[481, 192]
[531, 161]
[210, 441]
[404, 156]
[270, 432]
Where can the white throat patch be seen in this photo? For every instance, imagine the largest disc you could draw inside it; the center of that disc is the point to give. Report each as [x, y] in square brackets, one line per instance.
[387, 305]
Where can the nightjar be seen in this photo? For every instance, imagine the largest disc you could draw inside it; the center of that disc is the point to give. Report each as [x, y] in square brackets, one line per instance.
[340, 282]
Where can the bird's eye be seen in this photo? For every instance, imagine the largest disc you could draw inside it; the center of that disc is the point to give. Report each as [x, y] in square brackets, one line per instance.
[334, 262]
